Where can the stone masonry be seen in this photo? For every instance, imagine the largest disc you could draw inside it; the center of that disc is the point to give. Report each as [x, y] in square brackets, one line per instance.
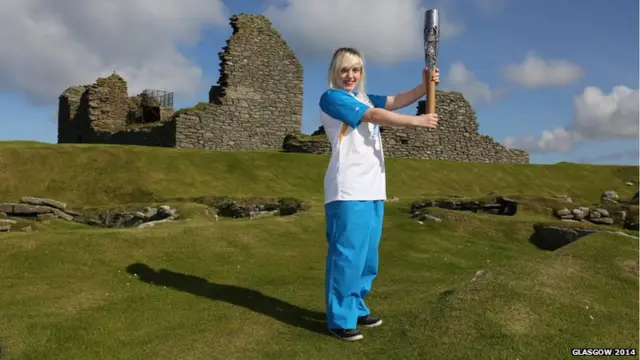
[258, 99]
[103, 113]
[456, 138]
[257, 105]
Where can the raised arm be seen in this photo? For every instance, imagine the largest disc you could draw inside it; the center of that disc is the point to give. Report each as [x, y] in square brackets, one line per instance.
[344, 107]
[409, 97]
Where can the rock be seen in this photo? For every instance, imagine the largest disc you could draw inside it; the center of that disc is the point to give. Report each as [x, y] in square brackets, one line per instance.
[602, 220]
[620, 216]
[63, 215]
[71, 212]
[149, 212]
[478, 274]
[564, 198]
[428, 217]
[5, 227]
[27, 229]
[153, 223]
[603, 212]
[46, 216]
[260, 214]
[578, 214]
[40, 201]
[629, 183]
[564, 212]
[609, 197]
[594, 215]
[393, 200]
[631, 224]
[165, 211]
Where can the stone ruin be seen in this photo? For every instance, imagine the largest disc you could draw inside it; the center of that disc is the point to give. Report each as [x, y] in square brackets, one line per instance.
[256, 105]
[456, 138]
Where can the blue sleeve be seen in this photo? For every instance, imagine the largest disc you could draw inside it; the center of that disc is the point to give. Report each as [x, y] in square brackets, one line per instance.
[342, 106]
[379, 101]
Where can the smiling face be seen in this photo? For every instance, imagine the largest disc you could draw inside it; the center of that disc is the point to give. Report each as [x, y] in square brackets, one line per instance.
[347, 70]
[350, 77]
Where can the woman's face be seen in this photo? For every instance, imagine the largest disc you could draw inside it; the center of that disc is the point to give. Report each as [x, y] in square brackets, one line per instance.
[350, 76]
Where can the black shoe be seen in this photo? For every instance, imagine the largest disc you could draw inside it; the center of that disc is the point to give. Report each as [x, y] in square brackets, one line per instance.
[347, 334]
[369, 321]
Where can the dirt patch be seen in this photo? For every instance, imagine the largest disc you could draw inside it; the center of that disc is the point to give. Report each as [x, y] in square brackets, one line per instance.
[517, 318]
[631, 267]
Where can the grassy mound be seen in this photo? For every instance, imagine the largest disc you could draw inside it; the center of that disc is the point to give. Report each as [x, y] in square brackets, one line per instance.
[471, 286]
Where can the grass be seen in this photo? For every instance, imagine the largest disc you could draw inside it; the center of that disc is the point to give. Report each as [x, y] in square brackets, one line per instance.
[253, 289]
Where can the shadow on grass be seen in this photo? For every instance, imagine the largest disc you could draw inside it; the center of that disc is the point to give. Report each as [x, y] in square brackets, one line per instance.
[250, 299]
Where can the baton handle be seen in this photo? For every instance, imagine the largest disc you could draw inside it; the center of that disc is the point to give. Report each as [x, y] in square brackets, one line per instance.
[431, 94]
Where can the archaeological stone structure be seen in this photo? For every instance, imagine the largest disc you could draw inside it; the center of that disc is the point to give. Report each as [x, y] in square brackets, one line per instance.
[256, 105]
[456, 138]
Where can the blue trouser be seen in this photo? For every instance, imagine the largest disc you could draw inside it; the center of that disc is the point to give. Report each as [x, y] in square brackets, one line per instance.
[353, 230]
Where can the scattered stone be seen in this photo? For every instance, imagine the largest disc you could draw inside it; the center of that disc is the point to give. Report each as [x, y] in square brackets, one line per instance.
[478, 274]
[564, 198]
[549, 237]
[393, 199]
[260, 214]
[498, 206]
[146, 218]
[428, 217]
[5, 224]
[41, 209]
[46, 216]
[602, 220]
[47, 202]
[609, 197]
[63, 215]
[228, 207]
[602, 212]
[27, 229]
[596, 215]
[579, 214]
[631, 223]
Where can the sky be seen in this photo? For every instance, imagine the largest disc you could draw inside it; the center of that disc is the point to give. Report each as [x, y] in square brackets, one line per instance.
[557, 78]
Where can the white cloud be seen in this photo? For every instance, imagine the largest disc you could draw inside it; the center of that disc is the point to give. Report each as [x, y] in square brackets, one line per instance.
[597, 116]
[536, 72]
[461, 79]
[607, 116]
[385, 31]
[56, 44]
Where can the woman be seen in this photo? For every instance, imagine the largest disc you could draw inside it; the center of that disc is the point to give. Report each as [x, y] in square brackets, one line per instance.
[354, 186]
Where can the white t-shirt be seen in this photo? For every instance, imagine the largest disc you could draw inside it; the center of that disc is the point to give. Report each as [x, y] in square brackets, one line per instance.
[356, 169]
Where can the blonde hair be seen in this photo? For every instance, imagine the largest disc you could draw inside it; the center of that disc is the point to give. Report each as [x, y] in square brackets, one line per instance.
[345, 58]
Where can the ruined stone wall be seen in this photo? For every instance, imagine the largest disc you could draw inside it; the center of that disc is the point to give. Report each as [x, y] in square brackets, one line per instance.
[456, 138]
[258, 99]
[102, 113]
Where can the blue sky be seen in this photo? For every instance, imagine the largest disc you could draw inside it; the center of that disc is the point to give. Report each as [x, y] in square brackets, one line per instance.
[598, 38]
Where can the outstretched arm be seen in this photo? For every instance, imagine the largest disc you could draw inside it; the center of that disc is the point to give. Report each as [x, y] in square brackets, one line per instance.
[344, 107]
[408, 97]
[389, 118]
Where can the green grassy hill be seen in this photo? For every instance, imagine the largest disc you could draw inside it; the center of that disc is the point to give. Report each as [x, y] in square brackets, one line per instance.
[201, 288]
